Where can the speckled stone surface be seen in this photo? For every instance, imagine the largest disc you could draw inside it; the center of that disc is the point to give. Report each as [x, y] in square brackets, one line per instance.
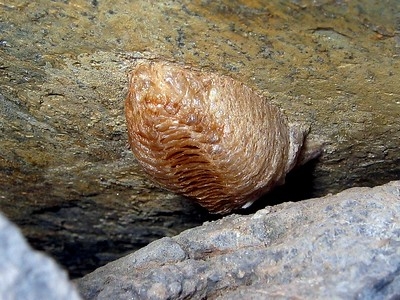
[344, 246]
[67, 177]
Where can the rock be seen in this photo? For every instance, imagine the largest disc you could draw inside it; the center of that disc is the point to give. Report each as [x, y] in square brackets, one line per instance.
[28, 274]
[66, 175]
[344, 246]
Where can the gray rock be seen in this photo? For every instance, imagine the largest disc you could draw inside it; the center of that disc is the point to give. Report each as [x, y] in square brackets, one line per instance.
[28, 274]
[345, 246]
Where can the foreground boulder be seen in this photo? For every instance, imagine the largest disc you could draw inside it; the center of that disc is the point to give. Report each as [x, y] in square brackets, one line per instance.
[27, 274]
[341, 246]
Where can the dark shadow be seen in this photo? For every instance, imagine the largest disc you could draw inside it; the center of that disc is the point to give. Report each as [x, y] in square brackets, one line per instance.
[299, 185]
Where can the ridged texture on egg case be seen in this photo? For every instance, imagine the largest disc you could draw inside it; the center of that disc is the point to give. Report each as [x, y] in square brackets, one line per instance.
[206, 136]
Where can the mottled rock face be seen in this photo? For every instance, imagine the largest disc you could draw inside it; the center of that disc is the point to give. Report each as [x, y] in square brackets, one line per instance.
[65, 175]
[343, 246]
[207, 137]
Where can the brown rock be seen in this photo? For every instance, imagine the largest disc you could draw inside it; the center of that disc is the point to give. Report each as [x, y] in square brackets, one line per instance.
[66, 175]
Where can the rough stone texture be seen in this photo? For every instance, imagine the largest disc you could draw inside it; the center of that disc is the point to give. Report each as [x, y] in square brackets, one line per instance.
[345, 246]
[26, 274]
[66, 175]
